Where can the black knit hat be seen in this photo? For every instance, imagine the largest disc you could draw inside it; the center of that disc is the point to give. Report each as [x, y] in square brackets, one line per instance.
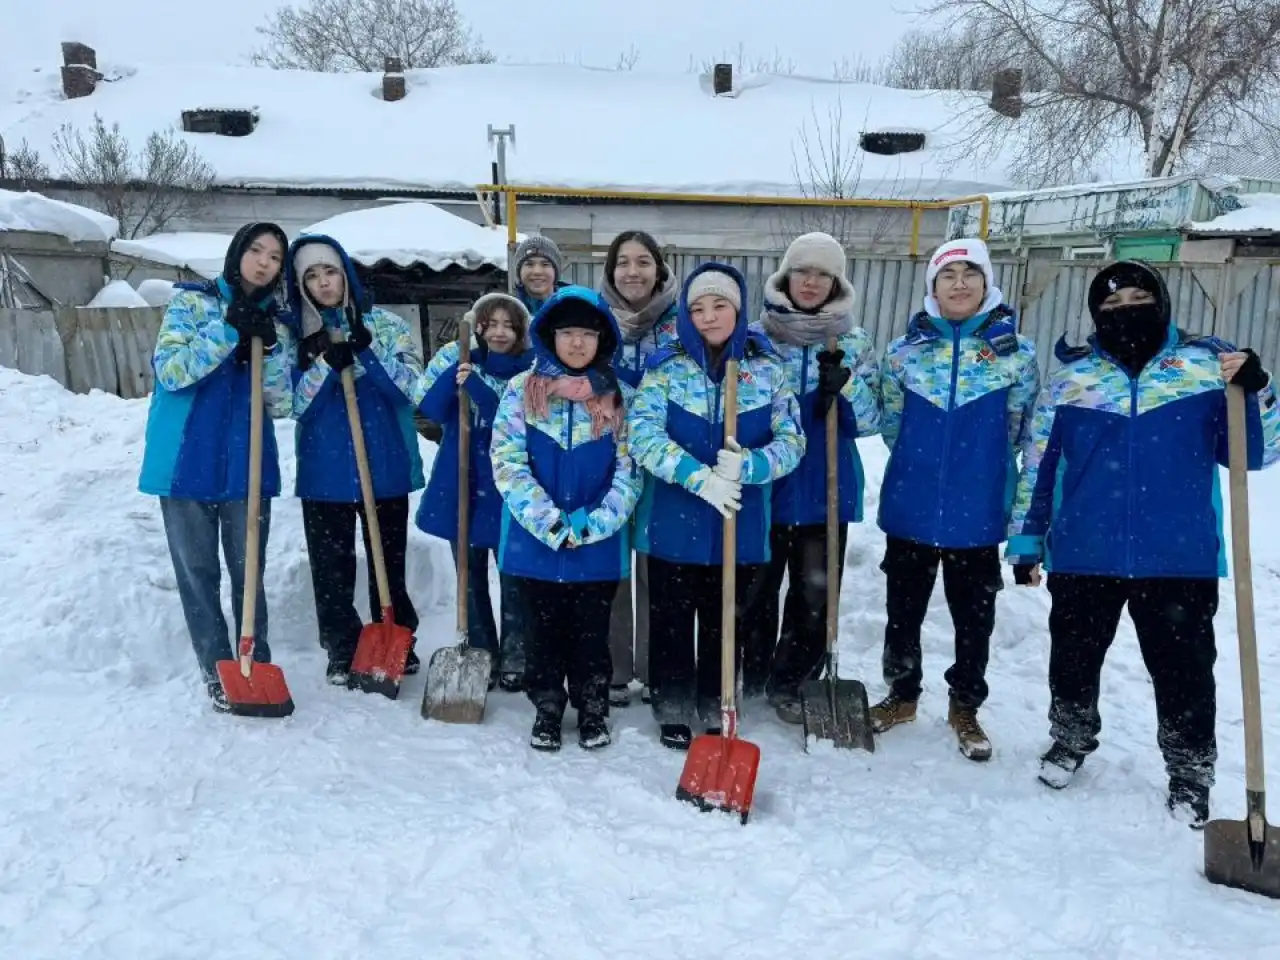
[1128, 273]
[242, 241]
[571, 311]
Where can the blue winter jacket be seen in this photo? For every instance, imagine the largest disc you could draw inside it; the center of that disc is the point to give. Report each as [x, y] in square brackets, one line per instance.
[555, 476]
[532, 303]
[197, 441]
[386, 373]
[633, 355]
[438, 390]
[956, 400]
[677, 429]
[1120, 473]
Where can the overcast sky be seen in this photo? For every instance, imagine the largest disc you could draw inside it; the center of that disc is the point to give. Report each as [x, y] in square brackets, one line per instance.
[814, 34]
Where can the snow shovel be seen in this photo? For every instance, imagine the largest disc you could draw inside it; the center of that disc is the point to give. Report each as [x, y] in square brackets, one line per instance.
[383, 648]
[253, 689]
[720, 770]
[1244, 853]
[458, 676]
[831, 708]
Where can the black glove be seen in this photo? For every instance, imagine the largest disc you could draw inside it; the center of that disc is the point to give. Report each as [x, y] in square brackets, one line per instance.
[339, 356]
[832, 376]
[1250, 377]
[1022, 573]
[250, 320]
[360, 337]
[311, 347]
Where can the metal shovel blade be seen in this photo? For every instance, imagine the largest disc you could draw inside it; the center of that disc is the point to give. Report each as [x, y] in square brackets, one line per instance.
[1233, 859]
[720, 774]
[837, 710]
[457, 684]
[263, 693]
[381, 654]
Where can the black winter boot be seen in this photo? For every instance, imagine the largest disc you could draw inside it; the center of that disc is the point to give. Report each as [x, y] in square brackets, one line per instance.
[1188, 802]
[1058, 766]
[546, 731]
[593, 732]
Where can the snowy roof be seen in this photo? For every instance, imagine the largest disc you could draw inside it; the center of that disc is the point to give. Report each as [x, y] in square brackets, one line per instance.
[202, 253]
[1258, 213]
[415, 232]
[575, 127]
[38, 213]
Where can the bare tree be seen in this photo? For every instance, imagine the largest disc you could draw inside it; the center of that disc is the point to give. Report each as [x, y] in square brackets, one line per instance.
[628, 59]
[958, 59]
[1172, 77]
[745, 63]
[23, 165]
[143, 190]
[858, 70]
[337, 36]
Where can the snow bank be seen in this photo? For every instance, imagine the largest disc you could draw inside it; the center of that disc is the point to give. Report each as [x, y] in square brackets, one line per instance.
[140, 826]
[36, 212]
[118, 293]
[1259, 213]
[416, 232]
[157, 293]
[202, 253]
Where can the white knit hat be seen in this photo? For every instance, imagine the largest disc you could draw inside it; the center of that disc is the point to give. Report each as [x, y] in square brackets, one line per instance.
[966, 250]
[715, 283]
[814, 251]
[308, 255]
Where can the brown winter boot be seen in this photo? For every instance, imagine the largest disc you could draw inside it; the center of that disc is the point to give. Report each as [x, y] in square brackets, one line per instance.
[891, 711]
[972, 738]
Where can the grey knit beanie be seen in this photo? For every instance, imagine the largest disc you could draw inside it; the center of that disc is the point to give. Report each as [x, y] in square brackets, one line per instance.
[539, 246]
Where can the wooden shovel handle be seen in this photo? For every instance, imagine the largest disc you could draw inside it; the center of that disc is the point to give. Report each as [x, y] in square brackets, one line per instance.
[253, 512]
[464, 482]
[1242, 574]
[729, 570]
[833, 522]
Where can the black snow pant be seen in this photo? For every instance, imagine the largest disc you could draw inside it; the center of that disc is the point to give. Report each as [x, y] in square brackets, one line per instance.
[1174, 621]
[971, 578]
[567, 640]
[684, 680]
[330, 530]
[799, 552]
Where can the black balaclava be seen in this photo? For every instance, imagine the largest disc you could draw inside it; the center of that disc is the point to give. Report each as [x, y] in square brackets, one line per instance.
[1132, 334]
[239, 244]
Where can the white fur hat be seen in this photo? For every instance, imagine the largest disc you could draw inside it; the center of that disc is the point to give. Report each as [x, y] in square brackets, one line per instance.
[715, 283]
[306, 256]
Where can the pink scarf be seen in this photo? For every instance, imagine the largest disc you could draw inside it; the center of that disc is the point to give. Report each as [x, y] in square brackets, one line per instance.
[605, 410]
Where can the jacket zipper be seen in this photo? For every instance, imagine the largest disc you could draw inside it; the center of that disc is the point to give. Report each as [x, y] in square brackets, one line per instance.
[946, 430]
[1128, 520]
[715, 419]
[804, 383]
[565, 485]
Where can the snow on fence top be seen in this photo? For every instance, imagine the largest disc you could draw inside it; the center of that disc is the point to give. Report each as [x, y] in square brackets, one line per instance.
[575, 127]
[202, 253]
[35, 212]
[415, 232]
[1258, 213]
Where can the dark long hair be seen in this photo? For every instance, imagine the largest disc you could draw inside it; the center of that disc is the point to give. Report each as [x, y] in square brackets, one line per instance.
[645, 240]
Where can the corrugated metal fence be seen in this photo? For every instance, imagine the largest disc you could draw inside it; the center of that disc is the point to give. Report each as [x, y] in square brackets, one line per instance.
[84, 348]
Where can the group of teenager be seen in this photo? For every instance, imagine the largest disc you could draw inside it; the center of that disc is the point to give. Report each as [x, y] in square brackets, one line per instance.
[600, 475]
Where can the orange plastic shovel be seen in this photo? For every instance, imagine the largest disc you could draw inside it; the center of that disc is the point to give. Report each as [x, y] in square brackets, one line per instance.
[253, 689]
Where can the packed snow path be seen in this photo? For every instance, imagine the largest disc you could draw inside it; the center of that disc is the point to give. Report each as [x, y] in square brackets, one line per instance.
[135, 824]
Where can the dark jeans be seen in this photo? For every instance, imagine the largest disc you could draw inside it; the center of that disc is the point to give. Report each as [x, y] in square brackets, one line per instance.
[482, 630]
[568, 641]
[330, 530]
[628, 632]
[193, 529]
[685, 679]
[799, 552]
[1174, 622]
[971, 578]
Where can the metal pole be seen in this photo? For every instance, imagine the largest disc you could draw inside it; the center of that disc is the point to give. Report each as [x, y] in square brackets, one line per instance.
[501, 180]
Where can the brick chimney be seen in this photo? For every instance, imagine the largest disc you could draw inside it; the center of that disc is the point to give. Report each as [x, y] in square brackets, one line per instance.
[1006, 92]
[722, 79]
[79, 70]
[392, 79]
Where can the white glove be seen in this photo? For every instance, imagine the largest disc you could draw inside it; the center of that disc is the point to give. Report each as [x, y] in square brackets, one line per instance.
[729, 461]
[724, 495]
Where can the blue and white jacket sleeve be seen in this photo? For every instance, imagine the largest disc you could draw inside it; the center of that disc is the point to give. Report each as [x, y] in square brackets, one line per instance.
[435, 392]
[1022, 398]
[193, 342]
[785, 451]
[1262, 430]
[651, 445]
[277, 375]
[392, 359]
[860, 396]
[1033, 500]
[526, 500]
[892, 396]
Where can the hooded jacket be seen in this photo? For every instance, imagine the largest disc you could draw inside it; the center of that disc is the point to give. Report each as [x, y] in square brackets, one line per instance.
[800, 498]
[197, 440]
[552, 468]
[677, 427]
[437, 400]
[1120, 473]
[957, 398]
[386, 373]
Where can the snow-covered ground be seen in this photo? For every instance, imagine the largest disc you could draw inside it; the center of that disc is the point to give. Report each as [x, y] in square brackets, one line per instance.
[137, 825]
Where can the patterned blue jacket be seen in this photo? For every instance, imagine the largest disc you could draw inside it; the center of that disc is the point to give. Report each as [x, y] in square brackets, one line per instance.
[677, 428]
[957, 398]
[437, 397]
[1120, 474]
[633, 357]
[553, 474]
[197, 445]
[386, 373]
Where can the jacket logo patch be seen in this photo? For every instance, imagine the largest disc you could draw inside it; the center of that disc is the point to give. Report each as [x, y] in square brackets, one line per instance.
[1172, 362]
[948, 254]
[986, 355]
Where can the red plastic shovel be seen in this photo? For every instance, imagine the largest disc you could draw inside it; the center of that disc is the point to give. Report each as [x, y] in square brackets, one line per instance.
[383, 648]
[253, 689]
[720, 771]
